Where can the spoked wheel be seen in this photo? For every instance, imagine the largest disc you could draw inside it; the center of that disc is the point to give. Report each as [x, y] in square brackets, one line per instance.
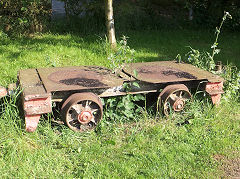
[82, 111]
[173, 98]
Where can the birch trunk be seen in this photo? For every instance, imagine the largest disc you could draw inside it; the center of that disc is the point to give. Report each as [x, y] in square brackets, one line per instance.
[110, 23]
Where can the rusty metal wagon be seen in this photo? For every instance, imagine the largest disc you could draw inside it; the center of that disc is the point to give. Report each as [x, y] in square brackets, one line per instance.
[79, 89]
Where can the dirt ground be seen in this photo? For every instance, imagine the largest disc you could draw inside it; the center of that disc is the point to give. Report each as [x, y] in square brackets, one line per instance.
[230, 166]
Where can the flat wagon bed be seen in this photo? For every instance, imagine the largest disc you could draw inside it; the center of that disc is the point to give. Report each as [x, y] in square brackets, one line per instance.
[79, 89]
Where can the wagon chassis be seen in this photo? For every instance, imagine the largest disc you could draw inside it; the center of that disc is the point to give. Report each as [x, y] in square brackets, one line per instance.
[79, 89]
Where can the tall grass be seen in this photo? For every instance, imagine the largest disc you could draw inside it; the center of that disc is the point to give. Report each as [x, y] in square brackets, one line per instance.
[143, 147]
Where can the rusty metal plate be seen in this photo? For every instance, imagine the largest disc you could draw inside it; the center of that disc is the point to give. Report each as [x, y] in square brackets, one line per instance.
[169, 71]
[78, 78]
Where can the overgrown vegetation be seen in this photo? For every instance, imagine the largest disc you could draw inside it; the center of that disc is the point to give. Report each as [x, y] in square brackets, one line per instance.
[186, 146]
[123, 108]
[121, 56]
[205, 60]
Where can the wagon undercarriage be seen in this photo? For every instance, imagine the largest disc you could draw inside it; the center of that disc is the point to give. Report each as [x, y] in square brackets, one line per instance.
[79, 89]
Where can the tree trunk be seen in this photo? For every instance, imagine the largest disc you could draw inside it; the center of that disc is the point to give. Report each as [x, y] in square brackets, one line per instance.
[110, 23]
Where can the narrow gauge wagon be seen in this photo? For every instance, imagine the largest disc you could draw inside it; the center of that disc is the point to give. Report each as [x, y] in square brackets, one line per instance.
[79, 89]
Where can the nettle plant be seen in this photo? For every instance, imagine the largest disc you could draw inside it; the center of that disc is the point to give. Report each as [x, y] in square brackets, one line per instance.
[122, 107]
[205, 60]
[121, 56]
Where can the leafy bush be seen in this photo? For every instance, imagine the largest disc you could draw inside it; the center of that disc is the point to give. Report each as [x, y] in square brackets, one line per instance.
[122, 108]
[24, 16]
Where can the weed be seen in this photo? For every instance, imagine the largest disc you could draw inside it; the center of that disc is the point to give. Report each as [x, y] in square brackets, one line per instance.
[201, 59]
[205, 60]
[123, 55]
[231, 75]
[123, 108]
[218, 31]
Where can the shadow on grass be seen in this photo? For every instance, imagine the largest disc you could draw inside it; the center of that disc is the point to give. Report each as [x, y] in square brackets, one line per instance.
[149, 45]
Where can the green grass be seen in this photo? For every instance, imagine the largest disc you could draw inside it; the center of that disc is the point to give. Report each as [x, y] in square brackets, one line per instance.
[144, 147]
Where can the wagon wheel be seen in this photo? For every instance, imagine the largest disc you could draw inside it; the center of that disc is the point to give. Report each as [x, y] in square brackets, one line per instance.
[173, 98]
[82, 111]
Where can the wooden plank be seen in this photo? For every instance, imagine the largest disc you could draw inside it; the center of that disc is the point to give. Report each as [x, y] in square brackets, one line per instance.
[31, 85]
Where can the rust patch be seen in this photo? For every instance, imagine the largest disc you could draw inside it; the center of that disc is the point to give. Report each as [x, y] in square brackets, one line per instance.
[83, 77]
[78, 78]
[179, 74]
[162, 72]
[169, 71]
[98, 70]
[74, 74]
[142, 70]
[85, 82]
[165, 71]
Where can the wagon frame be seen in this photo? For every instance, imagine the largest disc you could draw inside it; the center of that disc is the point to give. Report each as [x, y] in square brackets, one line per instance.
[80, 88]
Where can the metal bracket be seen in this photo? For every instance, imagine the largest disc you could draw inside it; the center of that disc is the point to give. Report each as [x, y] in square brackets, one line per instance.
[215, 90]
[33, 110]
[31, 122]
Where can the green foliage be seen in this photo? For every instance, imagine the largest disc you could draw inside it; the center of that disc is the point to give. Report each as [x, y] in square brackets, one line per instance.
[23, 16]
[120, 57]
[232, 84]
[84, 7]
[140, 148]
[201, 59]
[205, 60]
[123, 108]
[153, 14]
[208, 12]
[131, 16]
